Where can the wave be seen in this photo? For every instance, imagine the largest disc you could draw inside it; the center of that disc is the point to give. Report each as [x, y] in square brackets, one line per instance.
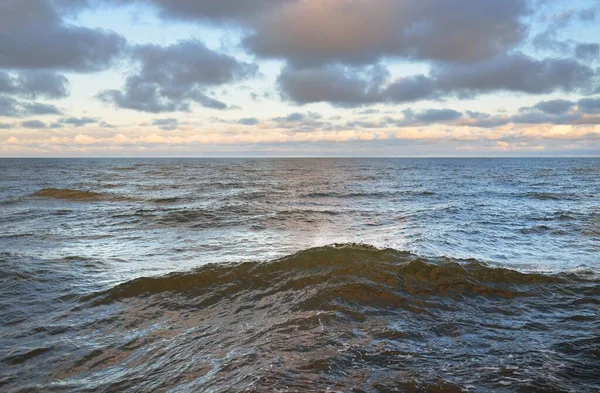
[380, 194]
[352, 316]
[348, 272]
[322, 316]
[557, 216]
[170, 200]
[549, 196]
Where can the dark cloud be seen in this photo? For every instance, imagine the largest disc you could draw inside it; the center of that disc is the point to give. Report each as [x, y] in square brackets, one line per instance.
[36, 108]
[343, 86]
[169, 124]
[78, 121]
[300, 122]
[589, 105]
[588, 14]
[8, 106]
[5, 126]
[413, 118]
[411, 89]
[34, 84]
[214, 9]
[249, 121]
[171, 78]
[554, 107]
[436, 115]
[537, 117]
[33, 124]
[34, 36]
[164, 122]
[11, 107]
[517, 72]
[478, 115]
[362, 32]
[292, 117]
[587, 51]
[298, 117]
[208, 10]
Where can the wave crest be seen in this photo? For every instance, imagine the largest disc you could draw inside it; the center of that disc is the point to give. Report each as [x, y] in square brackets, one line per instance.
[342, 272]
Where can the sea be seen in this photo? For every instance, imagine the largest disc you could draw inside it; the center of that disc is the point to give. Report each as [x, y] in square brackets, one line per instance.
[300, 275]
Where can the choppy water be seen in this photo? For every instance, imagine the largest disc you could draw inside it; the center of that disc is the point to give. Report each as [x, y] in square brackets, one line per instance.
[361, 275]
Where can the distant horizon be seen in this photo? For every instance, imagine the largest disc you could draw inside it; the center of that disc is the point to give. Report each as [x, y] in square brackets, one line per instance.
[297, 157]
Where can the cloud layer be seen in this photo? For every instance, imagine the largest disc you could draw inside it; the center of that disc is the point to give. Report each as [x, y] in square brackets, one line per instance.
[517, 72]
[308, 32]
[171, 78]
[34, 36]
[293, 71]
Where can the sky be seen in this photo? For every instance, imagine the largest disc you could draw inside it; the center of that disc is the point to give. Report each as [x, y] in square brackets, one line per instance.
[299, 78]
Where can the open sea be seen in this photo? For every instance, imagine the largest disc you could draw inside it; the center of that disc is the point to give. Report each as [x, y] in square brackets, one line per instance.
[300, 275]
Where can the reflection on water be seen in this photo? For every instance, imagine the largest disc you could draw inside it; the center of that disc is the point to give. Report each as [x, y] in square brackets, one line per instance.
[495, 289]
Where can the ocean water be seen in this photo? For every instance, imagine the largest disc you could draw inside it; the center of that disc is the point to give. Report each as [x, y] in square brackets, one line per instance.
[362, 275]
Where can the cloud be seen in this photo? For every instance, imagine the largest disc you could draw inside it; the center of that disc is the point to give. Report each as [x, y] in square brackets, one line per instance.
[11, 107]
[297, 116]
[36, 108]
[538, 117]
[300, 122]
[589, 105]
[34, 36]
[556, 112]
[365, 124]
[549, 38]
[172, 78]
[517, 72]
[33, 124]
[191, 10]
[249, 121]
[169, 124]
[342, 86]
[309, 33]
[430, 140]
[34, 84]
[554, 107]
[5, 126]
[435, 115]
[411, 89]
[78, 121]
[587, 51]
[104, 124]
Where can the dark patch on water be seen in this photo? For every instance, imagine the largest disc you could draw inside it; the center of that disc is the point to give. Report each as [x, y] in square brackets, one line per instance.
[72, 195]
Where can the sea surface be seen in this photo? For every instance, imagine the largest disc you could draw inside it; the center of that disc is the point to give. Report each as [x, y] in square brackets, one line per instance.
[300, 275]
